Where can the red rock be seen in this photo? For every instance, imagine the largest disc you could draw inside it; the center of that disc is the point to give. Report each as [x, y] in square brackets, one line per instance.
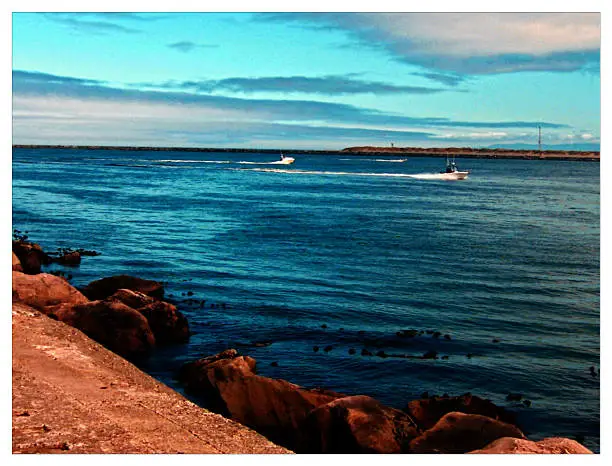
[357, 424]
[272, 407]
[31, 256]
[105, 287]
[461, 433]
[426, 412]
[16, 264]
[553, 445]
[43, 290]
[114, 325]
[168, 324]
[134, 299]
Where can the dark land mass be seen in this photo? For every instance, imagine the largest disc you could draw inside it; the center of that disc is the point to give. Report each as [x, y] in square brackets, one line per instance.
[466, 152]
[470, 152]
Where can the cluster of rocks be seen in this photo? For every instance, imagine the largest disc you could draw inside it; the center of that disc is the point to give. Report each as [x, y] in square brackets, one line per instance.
[322, 421]
[128, 316]
[125, 314]
[31, 256]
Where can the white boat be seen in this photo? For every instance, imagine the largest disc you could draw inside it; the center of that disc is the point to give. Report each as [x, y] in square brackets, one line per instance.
[284, 160]
[452, 172]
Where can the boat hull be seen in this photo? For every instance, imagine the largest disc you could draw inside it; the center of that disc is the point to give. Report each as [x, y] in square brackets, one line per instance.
[285, 161]
[454, 176]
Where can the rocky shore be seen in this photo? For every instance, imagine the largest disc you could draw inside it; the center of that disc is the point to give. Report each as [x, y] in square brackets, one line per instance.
[75, 389]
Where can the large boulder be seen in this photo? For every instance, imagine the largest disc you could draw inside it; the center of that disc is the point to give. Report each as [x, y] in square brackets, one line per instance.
[553, 445]
[462, 433]
[357, 424]
[114, 325]
[105, 287]
[31, 256]
[273, 407]
[168, 324]
[427, 411]
[17, 264]
[134, 299]
[43, 290]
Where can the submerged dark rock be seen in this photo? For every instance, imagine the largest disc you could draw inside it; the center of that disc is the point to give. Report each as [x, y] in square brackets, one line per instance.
[71, 258]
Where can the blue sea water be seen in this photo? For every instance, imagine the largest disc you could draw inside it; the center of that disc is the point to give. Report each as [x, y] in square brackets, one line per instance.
[346, 251]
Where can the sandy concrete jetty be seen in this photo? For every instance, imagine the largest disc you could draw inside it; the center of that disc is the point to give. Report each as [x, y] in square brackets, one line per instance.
[72, 395]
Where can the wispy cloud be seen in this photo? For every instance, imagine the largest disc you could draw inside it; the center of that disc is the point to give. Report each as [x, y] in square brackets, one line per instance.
[100, 23]
[188, 46]
[470, 43]
[37, 77]
[325, 85]
[444, 78]
[43, 84]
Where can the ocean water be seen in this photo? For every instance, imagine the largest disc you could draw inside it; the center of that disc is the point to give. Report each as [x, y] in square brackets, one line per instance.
[346, 251]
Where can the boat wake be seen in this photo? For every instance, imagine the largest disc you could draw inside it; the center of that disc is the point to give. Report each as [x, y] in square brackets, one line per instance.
[375, 160]
[276, 162]
[242, 162]
[417, 176]
[435, 176]
[192, 161]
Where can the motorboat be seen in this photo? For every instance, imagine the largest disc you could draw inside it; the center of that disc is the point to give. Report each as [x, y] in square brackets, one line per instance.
[284, 160]
[452, 172]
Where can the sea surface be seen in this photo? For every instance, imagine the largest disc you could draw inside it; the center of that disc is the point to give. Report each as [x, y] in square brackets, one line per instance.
[346, 251]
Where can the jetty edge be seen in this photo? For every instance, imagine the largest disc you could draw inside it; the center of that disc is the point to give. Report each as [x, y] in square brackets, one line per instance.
[467, 152]
[73, 395]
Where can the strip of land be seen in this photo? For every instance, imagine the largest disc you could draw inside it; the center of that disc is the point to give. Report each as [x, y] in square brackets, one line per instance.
[470, 152]
[466, 152]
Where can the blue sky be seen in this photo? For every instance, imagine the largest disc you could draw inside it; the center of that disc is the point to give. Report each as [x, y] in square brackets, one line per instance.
[306, 80]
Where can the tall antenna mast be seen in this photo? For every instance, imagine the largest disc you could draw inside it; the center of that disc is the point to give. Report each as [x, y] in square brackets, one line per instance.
[539, 138]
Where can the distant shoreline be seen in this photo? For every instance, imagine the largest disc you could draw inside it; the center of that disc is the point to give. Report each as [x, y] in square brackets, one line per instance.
[464, 152]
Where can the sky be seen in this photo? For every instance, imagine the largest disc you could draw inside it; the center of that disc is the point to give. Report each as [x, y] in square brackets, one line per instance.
[306, 80]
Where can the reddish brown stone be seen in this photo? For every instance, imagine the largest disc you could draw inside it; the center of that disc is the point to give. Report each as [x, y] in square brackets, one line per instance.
[553, 445]
[273, 407]
[16, 264]
[118, 327]
[43, 290]
[357, 424]
[31, 256]
[427, 411]
[168, 324]
[134, 299]
[105, 287]
[461, 433]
